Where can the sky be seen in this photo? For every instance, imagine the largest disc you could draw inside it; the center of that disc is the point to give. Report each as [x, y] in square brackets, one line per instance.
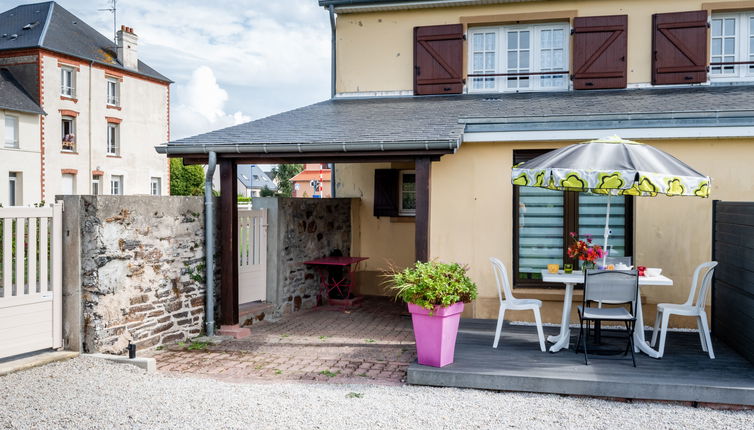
[232, 61]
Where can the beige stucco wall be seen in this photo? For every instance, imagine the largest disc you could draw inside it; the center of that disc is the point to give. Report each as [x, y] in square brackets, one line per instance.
[375, 50]
[386, 241]
[471, 220]
[24, 160]
[144, 115]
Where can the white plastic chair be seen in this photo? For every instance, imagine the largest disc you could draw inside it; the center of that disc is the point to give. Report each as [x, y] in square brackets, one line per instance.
[507, 301]
[689, 309]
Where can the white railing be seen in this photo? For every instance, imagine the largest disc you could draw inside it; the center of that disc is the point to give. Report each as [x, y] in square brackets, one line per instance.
[30, 279]
[252, 255]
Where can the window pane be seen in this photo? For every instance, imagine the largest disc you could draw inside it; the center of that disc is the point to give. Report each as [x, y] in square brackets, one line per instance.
[478, 41]
[717, 46]
[512, 60]
[512, 40]
[592, 212]
[730, 46]
[540, 230]
[489, 42]
[729, 27]
[489, 61]
[717, 27]
[524, 42]
[478, 61]
[523, 57]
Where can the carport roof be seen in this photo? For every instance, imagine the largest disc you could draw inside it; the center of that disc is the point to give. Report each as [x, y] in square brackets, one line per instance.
[440, 122]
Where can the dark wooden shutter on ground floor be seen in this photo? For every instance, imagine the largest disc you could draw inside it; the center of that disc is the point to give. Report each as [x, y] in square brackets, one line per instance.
[386, 193]
[599, 52]
[438, 59]
[679, 48]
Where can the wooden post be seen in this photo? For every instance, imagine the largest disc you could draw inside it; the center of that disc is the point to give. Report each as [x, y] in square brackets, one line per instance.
[423, 170]
[228, 243]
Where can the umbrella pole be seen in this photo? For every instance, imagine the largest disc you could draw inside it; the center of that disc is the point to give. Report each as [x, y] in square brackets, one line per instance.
[607, 231]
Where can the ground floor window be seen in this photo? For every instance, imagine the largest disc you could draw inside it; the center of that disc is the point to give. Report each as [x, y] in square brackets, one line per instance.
[116, 185]
[544, 218]
[68, 183]
[14, 189]
[155, 186]
[96, 184]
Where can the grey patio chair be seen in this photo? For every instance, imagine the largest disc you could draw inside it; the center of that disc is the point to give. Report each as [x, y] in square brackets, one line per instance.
[614, 287]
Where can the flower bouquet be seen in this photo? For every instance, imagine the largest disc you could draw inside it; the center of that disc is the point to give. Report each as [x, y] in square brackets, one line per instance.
[585, 251]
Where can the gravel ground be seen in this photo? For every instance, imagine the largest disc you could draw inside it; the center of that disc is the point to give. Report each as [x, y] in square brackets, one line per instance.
[85, 393]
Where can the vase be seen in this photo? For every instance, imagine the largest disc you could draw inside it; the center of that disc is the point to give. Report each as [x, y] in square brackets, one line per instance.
[590, 265]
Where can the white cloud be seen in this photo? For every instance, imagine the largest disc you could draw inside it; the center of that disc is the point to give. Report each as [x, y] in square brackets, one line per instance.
[200, 106]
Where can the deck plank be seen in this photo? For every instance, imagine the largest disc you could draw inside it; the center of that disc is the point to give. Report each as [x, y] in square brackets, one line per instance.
[685, 373]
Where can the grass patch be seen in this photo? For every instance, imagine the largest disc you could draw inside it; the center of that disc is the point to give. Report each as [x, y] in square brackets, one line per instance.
[329, 374]
[370, 340]
[197, 346]
[278, 371]
[353, 395]
[363, 375]
[323, 337]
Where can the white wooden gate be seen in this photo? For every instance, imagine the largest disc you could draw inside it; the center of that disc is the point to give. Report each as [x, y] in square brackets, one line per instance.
[252, 255]
[31, 308]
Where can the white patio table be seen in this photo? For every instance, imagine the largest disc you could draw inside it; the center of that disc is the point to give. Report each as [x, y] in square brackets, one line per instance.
[563, 339]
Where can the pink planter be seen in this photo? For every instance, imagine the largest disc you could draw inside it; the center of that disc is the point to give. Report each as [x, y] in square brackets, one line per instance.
[436, 334]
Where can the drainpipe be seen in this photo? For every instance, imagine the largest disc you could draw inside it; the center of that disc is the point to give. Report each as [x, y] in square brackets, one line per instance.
[209, 245]
[332, 180]
[331, 9]
[88, 175]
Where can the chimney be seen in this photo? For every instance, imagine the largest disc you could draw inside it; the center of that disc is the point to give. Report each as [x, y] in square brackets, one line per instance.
[127, 41]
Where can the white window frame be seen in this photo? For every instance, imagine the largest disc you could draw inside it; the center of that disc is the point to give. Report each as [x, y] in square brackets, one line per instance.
[73, 183]
[501, 60]
[155, 186]
[72, 119]
[401, 210]
[113, 98]
[11, 136]
[113, 139]
[96, 185]
[116, 185]
[70, 89]
[13, 189]
[744, 46]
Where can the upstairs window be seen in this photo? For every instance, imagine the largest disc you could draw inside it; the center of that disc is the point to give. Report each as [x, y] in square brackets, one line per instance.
[67, 82]
[113, 92]
[11, 131]
[732, 46]
[113, 139]
[519, 58]
[68, 127]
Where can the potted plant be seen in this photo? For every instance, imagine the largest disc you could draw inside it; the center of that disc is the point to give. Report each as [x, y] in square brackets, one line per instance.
[435, 293]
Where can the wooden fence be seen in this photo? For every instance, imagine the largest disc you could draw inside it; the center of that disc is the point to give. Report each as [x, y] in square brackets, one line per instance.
[733, 287]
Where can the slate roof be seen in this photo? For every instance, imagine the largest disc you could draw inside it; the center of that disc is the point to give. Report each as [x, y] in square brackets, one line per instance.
[394, 120]
[251, 176]
[14, 97]
[54, 28]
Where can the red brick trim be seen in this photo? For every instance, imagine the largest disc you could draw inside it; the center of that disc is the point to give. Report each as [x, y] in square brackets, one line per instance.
[114, 75]
[113, 120]
[40, 85]
[69, 171]
[69, 99]
[67, 112]
[167, 159]
[98, 173]
[113, 107]
[74, 64]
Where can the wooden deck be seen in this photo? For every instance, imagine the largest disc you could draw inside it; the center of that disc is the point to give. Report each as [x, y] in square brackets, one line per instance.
[685, 373]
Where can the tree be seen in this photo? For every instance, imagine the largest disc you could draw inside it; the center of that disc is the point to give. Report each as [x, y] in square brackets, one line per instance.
[266, 192]
[186, 180]
[283, 174]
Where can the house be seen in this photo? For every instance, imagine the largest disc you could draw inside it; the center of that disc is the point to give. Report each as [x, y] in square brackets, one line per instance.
[434, 101]
[104, 107]
[252, 180]
[313, 181]
[20, 116]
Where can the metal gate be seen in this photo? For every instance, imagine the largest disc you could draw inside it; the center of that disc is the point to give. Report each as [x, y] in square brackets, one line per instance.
[252, 255]
[30, 279]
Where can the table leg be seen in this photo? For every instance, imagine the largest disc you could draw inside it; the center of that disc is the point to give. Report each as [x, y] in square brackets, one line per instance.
[564, 338]
[640, 343]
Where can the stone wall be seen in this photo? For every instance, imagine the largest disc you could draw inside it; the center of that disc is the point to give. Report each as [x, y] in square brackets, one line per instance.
[134, 268]
[301, 229]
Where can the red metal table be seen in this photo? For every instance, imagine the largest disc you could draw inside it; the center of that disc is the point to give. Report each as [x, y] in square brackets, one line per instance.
[343, 286]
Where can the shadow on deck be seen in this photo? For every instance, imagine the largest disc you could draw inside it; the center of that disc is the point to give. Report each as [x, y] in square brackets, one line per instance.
[684, 374]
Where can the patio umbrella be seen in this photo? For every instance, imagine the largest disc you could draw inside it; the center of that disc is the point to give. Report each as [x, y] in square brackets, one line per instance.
[612, 166]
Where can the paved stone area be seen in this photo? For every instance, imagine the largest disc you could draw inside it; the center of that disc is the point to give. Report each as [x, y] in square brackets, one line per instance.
[373, 344]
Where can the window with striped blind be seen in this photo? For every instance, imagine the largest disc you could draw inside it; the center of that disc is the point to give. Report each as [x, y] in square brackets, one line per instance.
[544, 218]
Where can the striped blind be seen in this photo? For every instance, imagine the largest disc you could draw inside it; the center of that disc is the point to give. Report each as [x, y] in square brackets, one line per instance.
[540, 230]
[592, 212]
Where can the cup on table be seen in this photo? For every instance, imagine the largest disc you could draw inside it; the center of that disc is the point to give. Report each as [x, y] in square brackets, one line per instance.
[553, 268]
[568, 268]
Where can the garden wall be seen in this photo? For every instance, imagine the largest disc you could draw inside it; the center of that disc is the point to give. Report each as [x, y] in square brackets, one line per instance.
[133, 271]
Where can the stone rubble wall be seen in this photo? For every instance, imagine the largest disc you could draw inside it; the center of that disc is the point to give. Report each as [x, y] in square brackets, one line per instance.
[307, 228]
[142, 270]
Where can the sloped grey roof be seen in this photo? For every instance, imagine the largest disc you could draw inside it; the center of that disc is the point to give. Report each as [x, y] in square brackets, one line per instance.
[53, 27]
[14, 97]
[387, 122]
[251, 176]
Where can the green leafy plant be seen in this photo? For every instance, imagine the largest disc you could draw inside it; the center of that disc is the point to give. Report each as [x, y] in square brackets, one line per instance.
[370, 340]
[197, 346]
[186, 180]
[433, 284]
[353, 395]
[329, 374]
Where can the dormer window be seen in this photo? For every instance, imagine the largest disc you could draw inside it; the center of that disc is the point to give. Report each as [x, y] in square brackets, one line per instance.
[67, 82]
[732, 47]
[113, 92]
[519, 58]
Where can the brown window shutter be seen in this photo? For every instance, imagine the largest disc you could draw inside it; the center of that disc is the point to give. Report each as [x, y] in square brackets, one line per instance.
[438, 59]
[679, 47]
[599, 52]
[386, 192]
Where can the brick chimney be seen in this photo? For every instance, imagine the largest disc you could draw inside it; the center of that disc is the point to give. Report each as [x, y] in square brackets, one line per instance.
[127, 41]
